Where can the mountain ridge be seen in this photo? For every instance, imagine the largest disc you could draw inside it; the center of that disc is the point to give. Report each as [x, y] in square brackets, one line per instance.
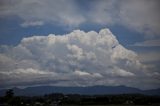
[89, 90]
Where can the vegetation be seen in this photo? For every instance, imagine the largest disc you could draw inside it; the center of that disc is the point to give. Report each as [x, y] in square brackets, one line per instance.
[57, 99]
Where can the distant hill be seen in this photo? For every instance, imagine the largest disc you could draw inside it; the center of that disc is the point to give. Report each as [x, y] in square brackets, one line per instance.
[91, 90]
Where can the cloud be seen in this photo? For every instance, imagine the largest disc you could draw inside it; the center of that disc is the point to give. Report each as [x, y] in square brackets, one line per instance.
[61, 12]
[152, 56]
[148, 43]
[102, 12]
[75, 59]
[81, 73]
[141, 16]
[32, 23]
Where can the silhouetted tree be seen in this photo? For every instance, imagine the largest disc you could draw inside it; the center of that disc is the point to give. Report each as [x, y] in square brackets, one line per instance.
[9, 96]
[9, 93]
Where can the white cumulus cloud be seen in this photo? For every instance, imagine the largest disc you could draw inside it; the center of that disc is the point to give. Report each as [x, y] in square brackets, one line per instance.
[75, 59]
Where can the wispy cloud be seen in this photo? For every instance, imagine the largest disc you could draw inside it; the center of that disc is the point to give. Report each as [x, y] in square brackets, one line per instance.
[32, 23]
[150, 57]
[138, 15]
[148, 43]
[53, 11]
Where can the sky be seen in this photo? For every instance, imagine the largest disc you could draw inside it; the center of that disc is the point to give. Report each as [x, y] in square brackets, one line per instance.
[80, 43]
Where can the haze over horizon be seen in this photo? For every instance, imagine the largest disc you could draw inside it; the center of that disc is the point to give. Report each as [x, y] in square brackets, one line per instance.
[80, 43]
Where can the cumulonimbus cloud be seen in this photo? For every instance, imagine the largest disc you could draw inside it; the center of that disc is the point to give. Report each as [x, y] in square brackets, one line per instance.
[75, 59]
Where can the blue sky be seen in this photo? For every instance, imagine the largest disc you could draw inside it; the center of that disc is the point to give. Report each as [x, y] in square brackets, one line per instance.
[135, 24]
[10, 26]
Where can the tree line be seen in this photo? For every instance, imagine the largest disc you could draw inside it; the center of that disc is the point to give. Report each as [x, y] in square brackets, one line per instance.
[76, 99]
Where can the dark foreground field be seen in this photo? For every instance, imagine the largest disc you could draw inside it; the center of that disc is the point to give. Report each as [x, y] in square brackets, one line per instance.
[111, 105]
[59, 99]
